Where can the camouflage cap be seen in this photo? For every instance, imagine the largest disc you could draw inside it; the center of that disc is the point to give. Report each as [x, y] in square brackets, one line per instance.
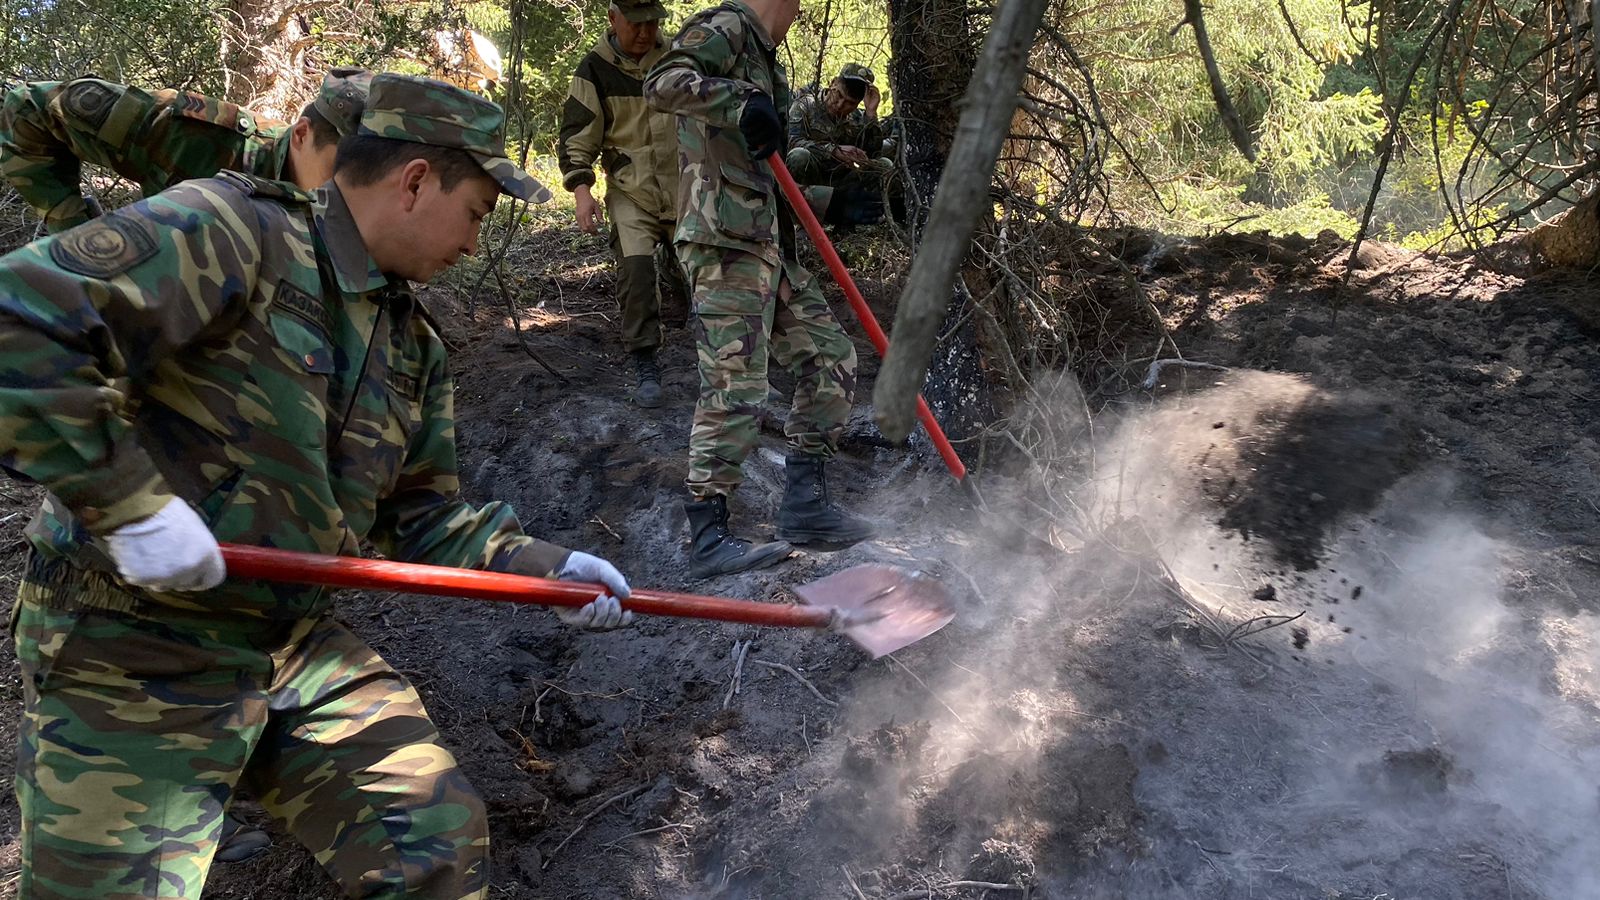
[856, 72]
[425, 111]
[342, 97]
[637, 11]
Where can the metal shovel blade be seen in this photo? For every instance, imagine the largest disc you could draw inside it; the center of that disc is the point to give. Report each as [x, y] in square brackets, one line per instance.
[880, 606]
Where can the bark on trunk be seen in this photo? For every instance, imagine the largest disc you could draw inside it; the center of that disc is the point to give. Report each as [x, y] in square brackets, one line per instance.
[960, 204]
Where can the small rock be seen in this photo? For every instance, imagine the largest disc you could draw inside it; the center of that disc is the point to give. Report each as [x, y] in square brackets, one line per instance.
[528, 862]
[1265, 594]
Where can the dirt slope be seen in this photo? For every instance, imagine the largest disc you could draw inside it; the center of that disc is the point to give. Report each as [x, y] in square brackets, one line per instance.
[1416, 478]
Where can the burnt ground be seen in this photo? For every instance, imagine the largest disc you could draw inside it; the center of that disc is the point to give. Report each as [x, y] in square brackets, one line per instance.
[1404, 475]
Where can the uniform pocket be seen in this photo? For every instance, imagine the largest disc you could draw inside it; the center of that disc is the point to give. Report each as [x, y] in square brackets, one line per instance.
[289, 382]
[745, 205]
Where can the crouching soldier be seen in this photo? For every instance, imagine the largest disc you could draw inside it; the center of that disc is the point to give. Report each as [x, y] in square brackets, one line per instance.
[49, 129]
[837, 149]
[238, 360]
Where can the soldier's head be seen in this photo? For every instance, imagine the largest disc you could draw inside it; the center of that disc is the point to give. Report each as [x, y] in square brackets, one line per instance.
[314, 138]
[636, 23]
[424, 168]
[847, 90]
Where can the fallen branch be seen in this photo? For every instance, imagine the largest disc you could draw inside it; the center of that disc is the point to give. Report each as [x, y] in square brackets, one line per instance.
[957, 886]
[740, 650]
[582, 823]
[1152, 376]
[670, 826]
[798, 677]
[516, 324]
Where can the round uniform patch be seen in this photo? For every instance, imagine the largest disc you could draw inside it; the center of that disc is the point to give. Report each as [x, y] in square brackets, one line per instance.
[90, 101]
[694, 37]
[104, 247]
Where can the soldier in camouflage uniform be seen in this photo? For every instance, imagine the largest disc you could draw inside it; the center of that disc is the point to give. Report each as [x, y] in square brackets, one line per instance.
[236, 359]
[838, 151]
[751, 296]
[605, 119]
[49, 129]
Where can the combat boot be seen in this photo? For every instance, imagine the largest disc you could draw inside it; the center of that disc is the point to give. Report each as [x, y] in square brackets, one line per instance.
[240, 842]
[648, 393]
[807, 516]
[713, 551]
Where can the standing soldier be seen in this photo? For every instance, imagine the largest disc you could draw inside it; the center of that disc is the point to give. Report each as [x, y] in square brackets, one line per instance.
[236, 359]
[48, 129]
[751, 296]
[838, 150]
[606, 119]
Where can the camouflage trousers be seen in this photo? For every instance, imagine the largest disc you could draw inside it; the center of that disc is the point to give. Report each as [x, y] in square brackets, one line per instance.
[745, 311]
[635, 236]
[135, 733]
[825, 182]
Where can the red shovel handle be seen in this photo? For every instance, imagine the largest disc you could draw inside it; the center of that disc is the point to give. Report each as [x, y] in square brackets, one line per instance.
[442, 581]
[797, 200]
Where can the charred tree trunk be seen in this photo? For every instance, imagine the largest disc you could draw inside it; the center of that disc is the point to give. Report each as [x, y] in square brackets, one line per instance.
[934, 52]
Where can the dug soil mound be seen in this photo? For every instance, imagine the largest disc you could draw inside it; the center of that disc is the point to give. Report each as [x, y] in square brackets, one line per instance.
[1326, 629]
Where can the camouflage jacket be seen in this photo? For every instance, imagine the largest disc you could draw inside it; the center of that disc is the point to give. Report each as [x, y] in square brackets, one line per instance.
[48, 129]
[606, 119]
[231, 342]
[717, 62]
[811, 126]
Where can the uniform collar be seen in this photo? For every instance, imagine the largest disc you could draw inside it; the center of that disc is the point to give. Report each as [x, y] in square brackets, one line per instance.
[353, 266]
[755, 25]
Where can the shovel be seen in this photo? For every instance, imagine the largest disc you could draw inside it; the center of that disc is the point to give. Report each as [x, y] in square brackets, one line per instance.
[881, 607]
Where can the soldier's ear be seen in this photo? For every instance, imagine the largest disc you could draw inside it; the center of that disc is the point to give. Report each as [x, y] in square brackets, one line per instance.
[413, 175]
[301, 135]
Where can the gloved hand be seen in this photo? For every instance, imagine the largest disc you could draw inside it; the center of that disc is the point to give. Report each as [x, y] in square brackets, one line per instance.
[605, 612]
[761, 127]
[172, 550]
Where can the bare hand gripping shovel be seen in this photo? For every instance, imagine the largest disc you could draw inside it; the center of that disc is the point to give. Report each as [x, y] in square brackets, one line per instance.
[881, 607]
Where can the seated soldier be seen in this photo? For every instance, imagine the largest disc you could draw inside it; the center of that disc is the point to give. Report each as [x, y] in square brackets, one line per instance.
[836, 150]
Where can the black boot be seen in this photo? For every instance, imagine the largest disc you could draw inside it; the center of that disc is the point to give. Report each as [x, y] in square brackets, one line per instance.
[648, 393]
[807, 516]
[240, 842]
[713, 551]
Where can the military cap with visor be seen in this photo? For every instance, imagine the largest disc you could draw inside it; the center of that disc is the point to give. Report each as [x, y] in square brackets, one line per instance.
[426, 111]
[641, 11]
[856, 72]
[342, 97]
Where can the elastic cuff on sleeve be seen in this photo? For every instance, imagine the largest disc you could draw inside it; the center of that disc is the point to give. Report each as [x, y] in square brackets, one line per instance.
[109, 496]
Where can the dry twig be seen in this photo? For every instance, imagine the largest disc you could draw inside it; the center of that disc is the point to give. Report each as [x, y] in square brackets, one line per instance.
[798, 677]
[582, 823]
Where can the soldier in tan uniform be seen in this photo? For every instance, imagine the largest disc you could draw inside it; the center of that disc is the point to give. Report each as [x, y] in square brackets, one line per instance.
[606, 121]
[49, 129]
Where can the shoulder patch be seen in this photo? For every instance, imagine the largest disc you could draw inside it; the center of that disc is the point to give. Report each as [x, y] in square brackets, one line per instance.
[104, 247]
[90, 101]
[694, 36]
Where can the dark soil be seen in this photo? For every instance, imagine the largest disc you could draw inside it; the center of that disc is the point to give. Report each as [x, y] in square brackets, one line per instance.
[1062, 734]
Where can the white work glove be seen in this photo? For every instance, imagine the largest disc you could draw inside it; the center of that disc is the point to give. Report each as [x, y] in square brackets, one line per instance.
[170, 551]
[605, 612]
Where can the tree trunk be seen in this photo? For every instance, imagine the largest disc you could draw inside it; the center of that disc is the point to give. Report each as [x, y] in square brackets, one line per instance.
[1572, 239]
[933, 58]
[265, 57]
[991, 100]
